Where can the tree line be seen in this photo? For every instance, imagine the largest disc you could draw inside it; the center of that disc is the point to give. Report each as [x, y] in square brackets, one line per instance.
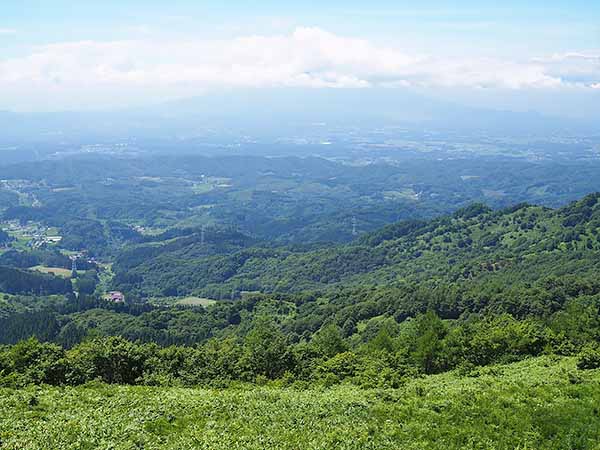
[385, 354]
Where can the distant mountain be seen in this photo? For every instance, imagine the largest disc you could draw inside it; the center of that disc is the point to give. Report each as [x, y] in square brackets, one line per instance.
[224, 115]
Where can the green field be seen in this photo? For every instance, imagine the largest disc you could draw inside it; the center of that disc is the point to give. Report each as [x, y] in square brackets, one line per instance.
[183, 301]
[195, 301]
[543, 403]
[202, 188]
[58, 271]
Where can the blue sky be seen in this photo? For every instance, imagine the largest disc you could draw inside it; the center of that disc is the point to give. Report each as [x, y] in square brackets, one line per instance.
[536, 25]
[59, 50]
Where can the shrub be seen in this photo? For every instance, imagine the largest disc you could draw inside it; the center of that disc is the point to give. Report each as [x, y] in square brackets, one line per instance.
[589, 358]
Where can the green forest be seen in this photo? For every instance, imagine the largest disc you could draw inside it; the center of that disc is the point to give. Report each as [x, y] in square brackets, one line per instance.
[476, 328]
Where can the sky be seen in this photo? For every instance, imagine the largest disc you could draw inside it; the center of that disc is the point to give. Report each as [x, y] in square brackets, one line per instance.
[65, 55]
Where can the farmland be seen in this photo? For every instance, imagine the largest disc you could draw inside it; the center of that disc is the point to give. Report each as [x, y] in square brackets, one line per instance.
[195, 301]
[182, 301]
[58, 271]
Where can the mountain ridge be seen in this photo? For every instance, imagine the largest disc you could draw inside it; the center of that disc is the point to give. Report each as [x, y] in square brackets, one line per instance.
[473, 242]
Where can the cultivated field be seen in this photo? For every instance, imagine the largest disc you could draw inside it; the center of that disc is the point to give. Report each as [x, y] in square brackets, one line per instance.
[195, 301]
[58, 271]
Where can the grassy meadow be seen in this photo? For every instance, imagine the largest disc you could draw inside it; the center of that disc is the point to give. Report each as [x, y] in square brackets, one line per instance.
[195, 301]
[541, 403]
[58, 271]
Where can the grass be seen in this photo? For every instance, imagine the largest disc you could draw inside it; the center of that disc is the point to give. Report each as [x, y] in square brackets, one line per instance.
[195, 301]
[58, 271]
[202, 188]
[105, 276]
[536, 404]
[404, 194]
[184, 301]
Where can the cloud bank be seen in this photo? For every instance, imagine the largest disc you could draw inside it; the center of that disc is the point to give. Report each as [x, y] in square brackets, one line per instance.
[307, 57]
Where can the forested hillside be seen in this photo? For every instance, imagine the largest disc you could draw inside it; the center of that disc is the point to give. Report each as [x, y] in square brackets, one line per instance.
[470, 289]
[279, 279]
[16, 281]
[522, 243]
[100, 203]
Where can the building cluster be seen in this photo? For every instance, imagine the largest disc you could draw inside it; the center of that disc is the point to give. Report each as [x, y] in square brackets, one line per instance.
[116, 297]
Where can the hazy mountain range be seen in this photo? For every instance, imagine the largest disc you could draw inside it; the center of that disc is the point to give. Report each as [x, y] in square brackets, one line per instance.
[279, 113]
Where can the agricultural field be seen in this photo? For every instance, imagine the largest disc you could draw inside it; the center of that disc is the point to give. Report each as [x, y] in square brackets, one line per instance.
[58, 271]
[195, 301]
[182, 301]
[542, 403]
[32, 234]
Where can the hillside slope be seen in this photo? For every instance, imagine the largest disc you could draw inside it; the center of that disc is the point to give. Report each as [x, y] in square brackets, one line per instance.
[542, 403]
[521, 243]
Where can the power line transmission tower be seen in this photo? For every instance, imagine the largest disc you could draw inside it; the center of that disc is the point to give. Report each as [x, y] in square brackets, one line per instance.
[354, 222]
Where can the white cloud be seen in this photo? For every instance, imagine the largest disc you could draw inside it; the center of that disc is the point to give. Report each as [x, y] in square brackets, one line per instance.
[573, 67]
[7, 31]
[307, 57]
